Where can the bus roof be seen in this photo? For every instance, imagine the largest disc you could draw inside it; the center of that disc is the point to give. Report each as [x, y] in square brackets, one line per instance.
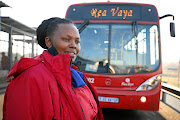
[112, 11]
[91, 3]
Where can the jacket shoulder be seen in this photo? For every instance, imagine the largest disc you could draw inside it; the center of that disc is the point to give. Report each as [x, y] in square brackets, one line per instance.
[29, 90]
[38, 73]
[22, 65]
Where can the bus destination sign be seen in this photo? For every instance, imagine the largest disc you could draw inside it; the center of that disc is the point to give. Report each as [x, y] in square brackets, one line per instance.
[113, 12]
[129, 12]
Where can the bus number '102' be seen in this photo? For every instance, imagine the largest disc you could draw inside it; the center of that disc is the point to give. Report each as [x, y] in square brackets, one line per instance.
[91, 80]
[114, 12]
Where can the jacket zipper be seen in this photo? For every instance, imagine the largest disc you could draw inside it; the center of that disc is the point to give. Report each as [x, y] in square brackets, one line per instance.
[79, 103]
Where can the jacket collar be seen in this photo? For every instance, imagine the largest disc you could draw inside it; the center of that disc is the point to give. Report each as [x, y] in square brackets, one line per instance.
[59, 65]
[56, 63]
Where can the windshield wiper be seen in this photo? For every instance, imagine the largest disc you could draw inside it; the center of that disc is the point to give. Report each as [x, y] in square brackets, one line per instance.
[134, 31]
[83, 26]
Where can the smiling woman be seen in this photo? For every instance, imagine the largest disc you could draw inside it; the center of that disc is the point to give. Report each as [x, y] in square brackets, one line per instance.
[48, 86]
[65, 39]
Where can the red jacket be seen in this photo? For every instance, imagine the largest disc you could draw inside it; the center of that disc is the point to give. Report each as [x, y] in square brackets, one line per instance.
[41, 90]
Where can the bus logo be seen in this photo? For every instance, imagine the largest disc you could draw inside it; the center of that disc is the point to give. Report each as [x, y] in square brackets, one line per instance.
[127, 83]
[127, 80]
[108, 81]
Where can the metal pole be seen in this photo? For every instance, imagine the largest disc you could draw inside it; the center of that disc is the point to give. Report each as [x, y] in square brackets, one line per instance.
[32, 55]
[10, 49]
[109, 47]
[23, 46]
[36, 49]
[0, 22]
[178, 72]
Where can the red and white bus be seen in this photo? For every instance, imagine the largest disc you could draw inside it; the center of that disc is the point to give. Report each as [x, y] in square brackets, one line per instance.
[120, 52]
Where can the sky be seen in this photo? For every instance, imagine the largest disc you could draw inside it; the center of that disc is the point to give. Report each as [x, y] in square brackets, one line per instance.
[33, 12]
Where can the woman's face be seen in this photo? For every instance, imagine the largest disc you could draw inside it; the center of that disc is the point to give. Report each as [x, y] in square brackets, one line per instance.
[66, 39]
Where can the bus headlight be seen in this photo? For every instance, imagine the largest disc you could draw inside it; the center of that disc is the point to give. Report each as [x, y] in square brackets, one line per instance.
[150, 84]
[143, 99]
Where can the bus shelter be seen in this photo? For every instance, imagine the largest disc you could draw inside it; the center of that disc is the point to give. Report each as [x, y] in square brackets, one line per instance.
[16, 41]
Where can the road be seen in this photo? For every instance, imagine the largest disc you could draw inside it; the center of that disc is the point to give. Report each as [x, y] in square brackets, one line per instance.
[114, 114]
[164, 113]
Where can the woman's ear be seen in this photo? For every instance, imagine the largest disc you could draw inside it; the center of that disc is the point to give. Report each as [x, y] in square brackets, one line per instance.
[48, 42]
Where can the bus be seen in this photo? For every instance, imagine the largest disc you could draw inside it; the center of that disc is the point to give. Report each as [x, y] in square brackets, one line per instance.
[120, 52]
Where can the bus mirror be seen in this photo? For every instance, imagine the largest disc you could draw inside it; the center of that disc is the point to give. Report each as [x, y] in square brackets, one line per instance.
[172, 29]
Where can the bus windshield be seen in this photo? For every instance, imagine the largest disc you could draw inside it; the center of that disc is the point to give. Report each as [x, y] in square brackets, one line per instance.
[119, 49]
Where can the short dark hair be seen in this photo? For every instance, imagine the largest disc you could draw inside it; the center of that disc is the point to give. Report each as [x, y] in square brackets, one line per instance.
[48, 27]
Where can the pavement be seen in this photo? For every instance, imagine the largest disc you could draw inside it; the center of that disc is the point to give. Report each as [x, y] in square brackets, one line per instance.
[1, 105]
[168, 113]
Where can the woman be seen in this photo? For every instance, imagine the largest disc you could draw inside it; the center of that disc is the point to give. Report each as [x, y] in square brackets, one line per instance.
[49, 87]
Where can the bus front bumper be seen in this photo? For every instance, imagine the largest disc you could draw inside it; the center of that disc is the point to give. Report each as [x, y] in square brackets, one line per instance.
[135, 100]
